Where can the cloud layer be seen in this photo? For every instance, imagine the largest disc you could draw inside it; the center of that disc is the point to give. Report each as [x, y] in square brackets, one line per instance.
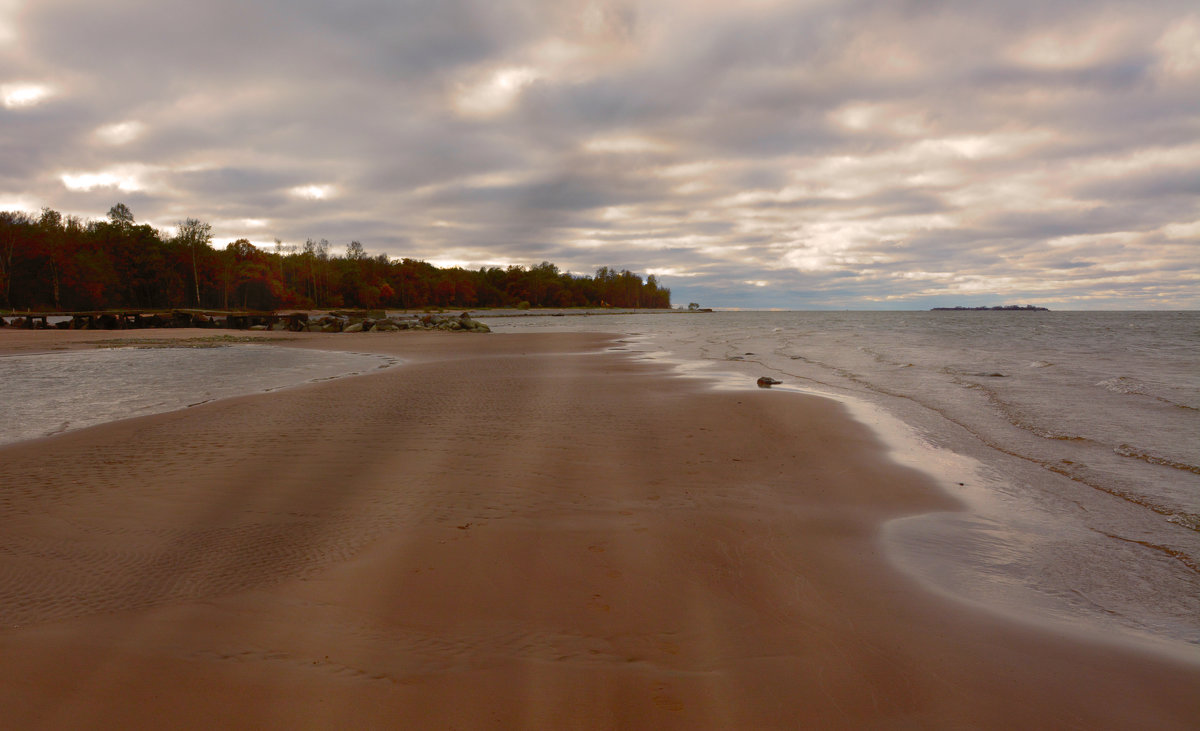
[864, 154]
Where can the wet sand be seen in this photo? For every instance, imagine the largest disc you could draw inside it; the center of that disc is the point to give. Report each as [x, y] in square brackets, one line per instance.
[514, 530]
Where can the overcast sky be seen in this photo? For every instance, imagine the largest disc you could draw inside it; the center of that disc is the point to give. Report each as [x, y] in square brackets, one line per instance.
[884, 154]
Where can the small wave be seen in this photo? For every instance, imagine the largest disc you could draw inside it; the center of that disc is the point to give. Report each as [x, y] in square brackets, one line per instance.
[1187, 520]
[1123, 384]
[1127, 450]
[975, 374]
[1174, 553]
[1040, 364]
[1128, 386]
[1014, 417]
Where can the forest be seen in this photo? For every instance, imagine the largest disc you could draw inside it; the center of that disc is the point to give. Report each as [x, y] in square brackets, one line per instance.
[60, 263]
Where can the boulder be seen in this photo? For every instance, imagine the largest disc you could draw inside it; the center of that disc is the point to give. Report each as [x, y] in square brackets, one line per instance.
[356, 327]
[767, 382]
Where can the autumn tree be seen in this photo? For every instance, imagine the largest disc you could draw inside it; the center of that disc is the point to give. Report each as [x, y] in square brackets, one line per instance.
[194, 234]
[120, 215]
[58, 261]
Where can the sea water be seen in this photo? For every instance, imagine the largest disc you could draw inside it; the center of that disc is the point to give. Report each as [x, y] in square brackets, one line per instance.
[1072, 440]
[49, 393]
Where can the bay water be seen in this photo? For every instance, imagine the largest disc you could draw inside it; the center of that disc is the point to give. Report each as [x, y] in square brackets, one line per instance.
[48, 393]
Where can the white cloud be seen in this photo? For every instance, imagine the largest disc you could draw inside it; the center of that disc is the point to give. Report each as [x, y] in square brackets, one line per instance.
[313, 192]
[121, 133]
[17, 203]
[1179, 49]
[624, 143]
[1183, 231]
[20, 95]
[8, 23]
[495, 93]
[1076, 44]
[891, 118]
[125, 178]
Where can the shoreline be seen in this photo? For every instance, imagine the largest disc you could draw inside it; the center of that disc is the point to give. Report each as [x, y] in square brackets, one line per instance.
[965, 481]
[583, 542]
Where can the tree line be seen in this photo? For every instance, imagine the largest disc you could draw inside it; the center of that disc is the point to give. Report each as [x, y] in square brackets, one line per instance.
[56, 262]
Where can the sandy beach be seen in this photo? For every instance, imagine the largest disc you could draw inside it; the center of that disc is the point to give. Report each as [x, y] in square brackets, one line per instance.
[507, 531]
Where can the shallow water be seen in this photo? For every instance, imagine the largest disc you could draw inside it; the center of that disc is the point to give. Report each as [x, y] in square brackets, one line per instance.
[1075, 435]
[49, 393]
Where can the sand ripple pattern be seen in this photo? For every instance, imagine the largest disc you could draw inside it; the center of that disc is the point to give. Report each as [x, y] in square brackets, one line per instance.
[155, 511]
[161, 510]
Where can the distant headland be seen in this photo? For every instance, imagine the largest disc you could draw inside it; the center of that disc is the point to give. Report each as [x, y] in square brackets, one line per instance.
[1019, 308]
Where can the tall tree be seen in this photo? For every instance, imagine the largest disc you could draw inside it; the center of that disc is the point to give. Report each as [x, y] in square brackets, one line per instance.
[120, 215]
[194, 233]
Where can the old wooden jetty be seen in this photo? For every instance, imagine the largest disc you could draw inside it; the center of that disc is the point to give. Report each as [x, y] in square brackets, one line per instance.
[137, 318]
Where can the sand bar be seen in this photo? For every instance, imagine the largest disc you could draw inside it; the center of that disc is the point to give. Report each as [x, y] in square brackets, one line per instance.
[511, 530]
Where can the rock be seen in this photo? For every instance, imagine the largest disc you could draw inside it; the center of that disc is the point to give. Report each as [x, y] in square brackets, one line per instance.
[356, 327]
[258, 327]
[767, 382]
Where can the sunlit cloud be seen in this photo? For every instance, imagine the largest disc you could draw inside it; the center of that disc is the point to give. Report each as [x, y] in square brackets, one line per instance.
[121, 133]
[450, 263]
[313, 192]
[619, 144]
[17, 203]
[8, 24]
[670, 272]
[20, 95]
[1179, 49]
[1190, 230]
[127, 179]
[890, 118]
[496, 93]
[242, 227]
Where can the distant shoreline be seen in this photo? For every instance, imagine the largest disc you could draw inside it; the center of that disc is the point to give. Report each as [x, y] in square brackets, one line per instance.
[999, 308]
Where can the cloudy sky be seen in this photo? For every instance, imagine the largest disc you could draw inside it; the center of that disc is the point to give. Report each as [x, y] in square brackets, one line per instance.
[879, 154]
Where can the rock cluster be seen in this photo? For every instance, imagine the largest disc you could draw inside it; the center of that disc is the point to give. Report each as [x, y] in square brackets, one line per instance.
[350, 324]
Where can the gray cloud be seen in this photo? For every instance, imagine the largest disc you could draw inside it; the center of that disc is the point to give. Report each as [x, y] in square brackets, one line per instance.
[859, 154]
